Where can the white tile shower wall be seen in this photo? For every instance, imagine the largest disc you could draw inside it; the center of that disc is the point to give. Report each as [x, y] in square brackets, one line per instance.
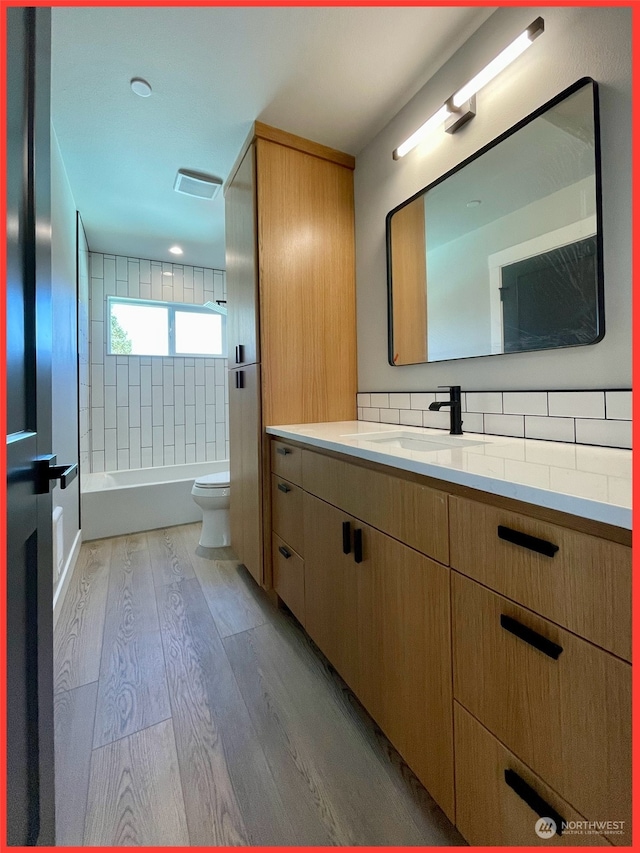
[149, 411]
[582, 417]
[84, 367]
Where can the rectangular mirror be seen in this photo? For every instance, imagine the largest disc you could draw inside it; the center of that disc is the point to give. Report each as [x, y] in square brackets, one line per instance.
[503, 254]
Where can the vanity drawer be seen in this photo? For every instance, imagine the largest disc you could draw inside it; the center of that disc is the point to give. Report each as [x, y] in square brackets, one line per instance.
[286, 461]
[410, 512]
[490, 809]
[288, 577]
[561, 704]
[584, 586]
[286, 512]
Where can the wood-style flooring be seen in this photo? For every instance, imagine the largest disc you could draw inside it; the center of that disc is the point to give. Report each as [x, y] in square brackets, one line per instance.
[192, 711]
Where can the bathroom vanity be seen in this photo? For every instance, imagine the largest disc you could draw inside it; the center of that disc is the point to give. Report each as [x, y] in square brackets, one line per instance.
[484, 621]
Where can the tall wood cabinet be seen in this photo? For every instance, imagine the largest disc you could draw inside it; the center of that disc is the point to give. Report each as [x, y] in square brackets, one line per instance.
[291, 311]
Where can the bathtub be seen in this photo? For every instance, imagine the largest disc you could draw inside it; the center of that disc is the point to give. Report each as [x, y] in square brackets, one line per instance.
[118, 502]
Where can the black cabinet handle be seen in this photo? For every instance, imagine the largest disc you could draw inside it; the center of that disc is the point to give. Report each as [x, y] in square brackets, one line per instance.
[286, 554]
[547, 647]
[282, 451]
[533, 799]
[541, 546]
[239, 378]
[283, 487]
[357, 545]
[239, 353]
[346, 537]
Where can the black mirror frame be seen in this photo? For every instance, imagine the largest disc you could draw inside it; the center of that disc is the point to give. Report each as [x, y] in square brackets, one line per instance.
[579, 84]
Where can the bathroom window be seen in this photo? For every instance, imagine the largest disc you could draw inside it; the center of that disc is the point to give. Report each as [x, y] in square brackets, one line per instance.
[143, 327]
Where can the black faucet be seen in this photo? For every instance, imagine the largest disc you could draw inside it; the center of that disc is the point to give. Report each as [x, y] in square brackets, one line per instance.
[456, 408]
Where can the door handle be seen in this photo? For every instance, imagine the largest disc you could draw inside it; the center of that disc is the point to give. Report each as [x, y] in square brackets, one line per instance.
[47, 470]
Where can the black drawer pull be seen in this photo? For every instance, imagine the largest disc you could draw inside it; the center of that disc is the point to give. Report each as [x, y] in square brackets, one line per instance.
[239, 354]
[283, 487]
[286, 554]
[547, 647]
[533, 799]
[357, 545]
[346, 537]
[239, 378]
[282, 451]
[541, 546]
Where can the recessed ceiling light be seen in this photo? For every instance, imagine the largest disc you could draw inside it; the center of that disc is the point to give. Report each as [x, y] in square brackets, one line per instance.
[140, 87]
[475, 202]
[175, 250]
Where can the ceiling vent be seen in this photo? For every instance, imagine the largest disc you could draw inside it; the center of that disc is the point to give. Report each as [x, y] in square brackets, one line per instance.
[196, 184]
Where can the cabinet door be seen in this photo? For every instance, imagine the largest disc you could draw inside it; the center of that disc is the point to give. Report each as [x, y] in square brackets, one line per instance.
[245, 462]
[241, 256]
[330, 587]
[405, 644]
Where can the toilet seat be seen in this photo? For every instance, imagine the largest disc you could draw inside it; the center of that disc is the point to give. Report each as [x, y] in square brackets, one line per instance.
[213, 481]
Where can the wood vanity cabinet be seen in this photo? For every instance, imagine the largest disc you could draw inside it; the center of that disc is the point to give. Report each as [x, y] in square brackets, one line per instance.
[523, 641]
[291, 311]
[380, 612]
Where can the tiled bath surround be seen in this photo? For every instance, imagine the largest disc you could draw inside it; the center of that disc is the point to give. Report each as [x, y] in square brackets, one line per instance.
[582, 417]
[148, 411]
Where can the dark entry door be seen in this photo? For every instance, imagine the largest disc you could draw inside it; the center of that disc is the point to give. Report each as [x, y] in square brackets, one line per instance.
[551, 299]
[30, 772]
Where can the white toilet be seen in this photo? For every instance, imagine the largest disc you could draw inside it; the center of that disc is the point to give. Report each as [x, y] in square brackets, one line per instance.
[211, 493]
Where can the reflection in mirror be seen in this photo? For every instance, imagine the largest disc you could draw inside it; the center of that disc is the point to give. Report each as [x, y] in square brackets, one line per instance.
[503, 253]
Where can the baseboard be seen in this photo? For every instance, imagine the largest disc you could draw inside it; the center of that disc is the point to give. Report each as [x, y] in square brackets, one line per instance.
[65, 577]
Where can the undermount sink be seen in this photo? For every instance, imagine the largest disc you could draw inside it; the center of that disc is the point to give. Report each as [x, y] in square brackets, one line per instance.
[413, 441]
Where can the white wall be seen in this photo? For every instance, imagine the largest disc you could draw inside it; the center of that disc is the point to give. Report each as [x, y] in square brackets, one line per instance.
[64, 359]
[577, 42]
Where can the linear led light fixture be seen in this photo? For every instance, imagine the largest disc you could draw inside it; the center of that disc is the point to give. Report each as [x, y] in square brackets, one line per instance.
[460, 107]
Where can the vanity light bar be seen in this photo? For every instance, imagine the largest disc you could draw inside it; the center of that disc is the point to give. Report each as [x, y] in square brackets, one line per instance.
[463, 95]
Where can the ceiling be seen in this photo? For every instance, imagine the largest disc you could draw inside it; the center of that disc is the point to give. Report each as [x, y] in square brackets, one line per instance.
[336, 75]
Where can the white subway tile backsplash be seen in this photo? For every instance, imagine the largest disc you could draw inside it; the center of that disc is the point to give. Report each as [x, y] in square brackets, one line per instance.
[97, 429]
[530, 414]
[123, 459]
[549, 429]
[157, 405]
[411, 417]
[504, 424]
[473, 422]
[96, 264]
[190, 453]
[134, 406]
[145, 272]
[110, 450]
[134, 448]
[122, 385]
[422, 401]
[604, 433]
[158, 446]
[200, 407]
[134, 370]
[380, 401]
[220, 434]
[210, 423]
[524, 403]
[618, 405]
[145, 385]
[576, 404]
[97, 385]
[399, 401]
[167, 374]
[436, 420]
[169, 455]
[121, 268]
[156, 371]
[487, 402]
[390, 416]
[146, 455]
[97, 461]
[369, 414]
[178, 396]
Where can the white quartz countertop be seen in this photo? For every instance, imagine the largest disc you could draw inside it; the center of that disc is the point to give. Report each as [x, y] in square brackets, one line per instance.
[590, 482]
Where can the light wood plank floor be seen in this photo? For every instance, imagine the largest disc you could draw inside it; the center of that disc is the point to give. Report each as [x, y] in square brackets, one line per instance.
[192, 711]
